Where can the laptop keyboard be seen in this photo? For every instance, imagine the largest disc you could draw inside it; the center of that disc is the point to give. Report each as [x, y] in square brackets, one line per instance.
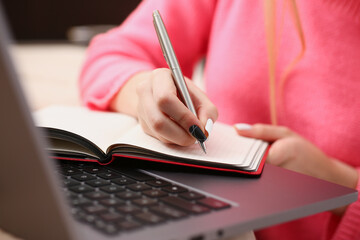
[115, 201]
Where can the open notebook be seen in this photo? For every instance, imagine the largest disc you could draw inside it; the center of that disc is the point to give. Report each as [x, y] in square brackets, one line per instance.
[81, 134]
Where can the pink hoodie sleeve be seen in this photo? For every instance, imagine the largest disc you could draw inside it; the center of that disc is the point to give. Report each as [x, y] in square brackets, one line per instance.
[112, 58]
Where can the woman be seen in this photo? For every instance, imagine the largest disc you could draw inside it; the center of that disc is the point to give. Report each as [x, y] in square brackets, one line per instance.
[287, 70]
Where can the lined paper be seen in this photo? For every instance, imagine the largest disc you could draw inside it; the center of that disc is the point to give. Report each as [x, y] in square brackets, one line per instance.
[223, 146]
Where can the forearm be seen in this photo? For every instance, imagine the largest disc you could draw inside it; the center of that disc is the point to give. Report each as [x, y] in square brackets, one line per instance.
[126, 100]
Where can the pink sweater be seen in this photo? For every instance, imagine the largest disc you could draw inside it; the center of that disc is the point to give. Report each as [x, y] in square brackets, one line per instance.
[321, 96]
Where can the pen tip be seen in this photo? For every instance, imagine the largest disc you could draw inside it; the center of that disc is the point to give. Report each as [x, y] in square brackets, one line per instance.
[203, 147]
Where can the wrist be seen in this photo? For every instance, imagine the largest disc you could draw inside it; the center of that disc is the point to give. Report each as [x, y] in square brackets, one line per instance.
[126, 100]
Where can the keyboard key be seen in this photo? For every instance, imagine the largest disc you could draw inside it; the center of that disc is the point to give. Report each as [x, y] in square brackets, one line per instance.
[111, 202]
[77, 212]
[111, 216]
[137, 175]
[83, 177]
[99, 224]
[123, 181]
[84, 217]
[158, 183]
[68, 171]
[191, 195]
[81, 189]
[129, 209]
[110, 229]
[80, 202]
[112, 189]
[174, 189]
[96, 195]
[94, 169]
[71, 195]
[185, 205]
[105, 227]
[155, 193]
[70, 182]
[213, 203]
[149, 218]
[127, 195]
[168, 211]
[98, 182]
[109, 175]
[137, 187]
[128, 225]
[95, 209]
[144, 202]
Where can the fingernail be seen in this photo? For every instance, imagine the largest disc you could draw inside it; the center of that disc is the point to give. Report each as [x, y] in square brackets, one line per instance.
[209, 126]
[242, 126]
[197, 133]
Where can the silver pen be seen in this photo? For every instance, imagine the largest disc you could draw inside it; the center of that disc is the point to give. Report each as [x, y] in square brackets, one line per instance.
[178, 77]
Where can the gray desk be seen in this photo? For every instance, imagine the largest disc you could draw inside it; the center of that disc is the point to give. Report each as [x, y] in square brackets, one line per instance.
[278, 196]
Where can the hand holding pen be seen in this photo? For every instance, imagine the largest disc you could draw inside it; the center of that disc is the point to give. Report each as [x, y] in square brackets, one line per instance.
[152, 97]
[179, 80]
[162, 114]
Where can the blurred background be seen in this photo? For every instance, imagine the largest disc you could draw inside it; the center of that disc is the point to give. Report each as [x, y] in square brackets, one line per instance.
[50, 39]
[44, 20]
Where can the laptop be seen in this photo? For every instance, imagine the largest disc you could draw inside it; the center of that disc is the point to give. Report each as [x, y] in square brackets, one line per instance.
[44, 199]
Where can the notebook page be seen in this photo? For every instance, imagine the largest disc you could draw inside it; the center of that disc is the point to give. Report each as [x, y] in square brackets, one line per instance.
[252, 152]
[223, 146]
[258, 156]
[101, 128]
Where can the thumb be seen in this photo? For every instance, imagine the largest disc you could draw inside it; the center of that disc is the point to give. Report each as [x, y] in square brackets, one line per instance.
[274, 157]
[282, 152]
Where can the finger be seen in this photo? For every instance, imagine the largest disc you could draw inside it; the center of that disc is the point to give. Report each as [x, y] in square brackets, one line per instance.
[280, 153]
[147, 130]
[206, 110]
[164, 128]
[158, 124]
[143, 90]
[166, 99]
[263, 131]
